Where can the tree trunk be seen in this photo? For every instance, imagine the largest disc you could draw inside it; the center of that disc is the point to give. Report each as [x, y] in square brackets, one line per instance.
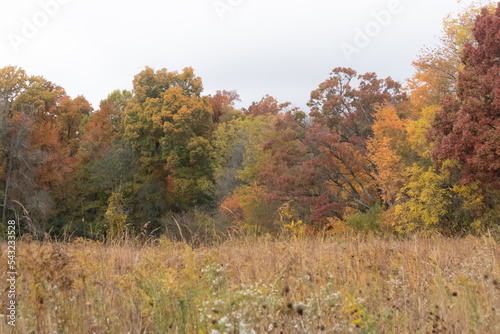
[7, 186]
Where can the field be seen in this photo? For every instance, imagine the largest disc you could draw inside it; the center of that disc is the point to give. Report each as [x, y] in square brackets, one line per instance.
[350, 284]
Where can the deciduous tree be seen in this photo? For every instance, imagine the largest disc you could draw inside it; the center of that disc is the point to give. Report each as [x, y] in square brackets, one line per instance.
[343, 109]
[468, 127]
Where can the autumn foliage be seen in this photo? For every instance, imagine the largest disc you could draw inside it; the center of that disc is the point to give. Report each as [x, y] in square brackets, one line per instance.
[468, 127]
[371, 153]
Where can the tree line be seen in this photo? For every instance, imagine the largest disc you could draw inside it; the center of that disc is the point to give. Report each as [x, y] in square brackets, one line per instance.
[371, 154]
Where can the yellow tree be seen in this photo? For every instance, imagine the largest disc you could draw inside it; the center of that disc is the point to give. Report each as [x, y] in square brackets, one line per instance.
[437, 67]
[433, 199]
[169, 125]
[424, 200]
[386, 148]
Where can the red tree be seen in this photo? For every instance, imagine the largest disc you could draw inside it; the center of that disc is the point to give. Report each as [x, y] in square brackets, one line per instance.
[468, 127]
[343, 109]
[221, 102]
[268, 105]
[291, 177]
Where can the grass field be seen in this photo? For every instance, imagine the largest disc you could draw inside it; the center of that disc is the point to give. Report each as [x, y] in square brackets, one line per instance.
[340, 284]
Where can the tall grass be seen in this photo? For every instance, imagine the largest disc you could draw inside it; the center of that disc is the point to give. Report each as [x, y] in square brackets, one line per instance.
[357, 284]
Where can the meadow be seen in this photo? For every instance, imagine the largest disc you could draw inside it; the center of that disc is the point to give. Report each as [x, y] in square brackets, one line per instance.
[170, 209]
[335, 284]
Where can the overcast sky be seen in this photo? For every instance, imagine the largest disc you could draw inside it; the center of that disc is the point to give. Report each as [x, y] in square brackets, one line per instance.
[257, 47]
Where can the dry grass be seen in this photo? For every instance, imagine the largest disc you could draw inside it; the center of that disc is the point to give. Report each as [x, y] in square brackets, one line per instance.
[339, 284]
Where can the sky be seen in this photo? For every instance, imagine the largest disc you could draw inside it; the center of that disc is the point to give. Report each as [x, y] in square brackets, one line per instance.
[257, 47]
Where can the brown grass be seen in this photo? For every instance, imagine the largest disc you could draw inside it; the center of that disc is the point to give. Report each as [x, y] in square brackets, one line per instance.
[338, 284]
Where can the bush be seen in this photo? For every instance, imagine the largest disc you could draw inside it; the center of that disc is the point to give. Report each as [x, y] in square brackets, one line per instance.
[366, 222]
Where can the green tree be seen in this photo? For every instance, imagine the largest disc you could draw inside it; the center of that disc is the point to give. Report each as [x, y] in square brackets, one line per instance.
[169, 125]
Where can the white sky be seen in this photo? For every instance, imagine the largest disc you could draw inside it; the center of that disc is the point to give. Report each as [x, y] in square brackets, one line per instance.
[277, 47]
